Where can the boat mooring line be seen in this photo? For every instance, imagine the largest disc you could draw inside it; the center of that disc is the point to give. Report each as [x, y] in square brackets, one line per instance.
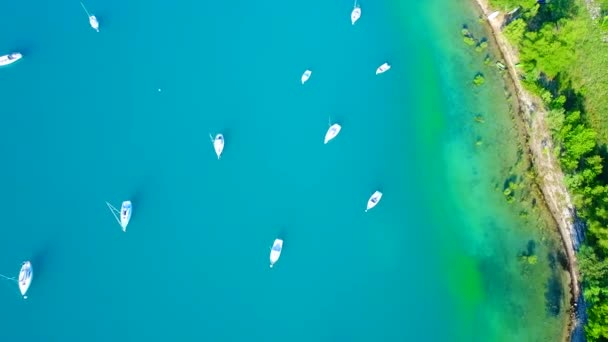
[8, 278]
[85, 9]
[114, 212]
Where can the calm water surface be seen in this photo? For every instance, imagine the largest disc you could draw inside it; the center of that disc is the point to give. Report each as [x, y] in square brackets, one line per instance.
[84, 122]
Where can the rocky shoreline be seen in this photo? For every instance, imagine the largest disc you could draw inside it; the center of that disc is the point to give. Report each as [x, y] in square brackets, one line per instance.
[549, 174]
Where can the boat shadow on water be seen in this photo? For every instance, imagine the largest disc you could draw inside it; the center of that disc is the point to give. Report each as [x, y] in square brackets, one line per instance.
[41, 259]
[136, 200]
[282, 234]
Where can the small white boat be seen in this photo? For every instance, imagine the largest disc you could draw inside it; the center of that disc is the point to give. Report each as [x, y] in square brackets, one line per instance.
[306, 76]
[373, 200]
[94, 23]
[92, 19]
[25, 277]
[126, 209]
[275, 251]
[122, 216]
[218, 145]
[332, 132]
[355, 14]
[10, 58]
[383, 68]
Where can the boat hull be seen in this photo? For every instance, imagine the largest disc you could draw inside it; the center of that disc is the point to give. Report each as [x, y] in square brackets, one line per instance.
[25, 277]
[275, 251]
[383, 68]
[94, 23]
[10, 58]
[355, 15]
[218, 145]
[126, 209]
[332, 132]
[306, 76]
[373, 200]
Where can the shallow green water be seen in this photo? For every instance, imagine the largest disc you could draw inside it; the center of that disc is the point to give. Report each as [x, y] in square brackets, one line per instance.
[84, 122]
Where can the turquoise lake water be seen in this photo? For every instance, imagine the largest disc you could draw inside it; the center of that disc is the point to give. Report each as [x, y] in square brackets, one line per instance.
[84, 122]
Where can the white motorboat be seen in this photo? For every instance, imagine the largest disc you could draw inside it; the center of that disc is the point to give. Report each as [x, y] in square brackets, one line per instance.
[383, 68]
[92, 19]
[126, 209]
[373, 200]
[25, 277]
[355, 14]
[332, 132]
[306, 76]
[275, 251]
[218, 145]
[10, 58]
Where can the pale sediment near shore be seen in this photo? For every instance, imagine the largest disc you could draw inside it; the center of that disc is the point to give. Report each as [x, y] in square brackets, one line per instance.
[550, 177]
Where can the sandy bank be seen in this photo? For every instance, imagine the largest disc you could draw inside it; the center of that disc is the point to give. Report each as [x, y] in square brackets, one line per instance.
[550, 177]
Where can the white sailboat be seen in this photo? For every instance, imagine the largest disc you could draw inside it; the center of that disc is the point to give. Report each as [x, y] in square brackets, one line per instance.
[383, 68]
[10, 58]
[332, 132]
[122, 216]
[25, 277]
[373, 200]
[355, 14]
[92, 19]
[275, 251]
[218, 144]
[306, 76]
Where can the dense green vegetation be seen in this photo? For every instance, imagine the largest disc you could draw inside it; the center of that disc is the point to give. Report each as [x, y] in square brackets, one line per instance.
[563, 59]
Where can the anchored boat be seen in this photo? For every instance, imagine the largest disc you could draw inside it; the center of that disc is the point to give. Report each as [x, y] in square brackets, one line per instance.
[125, 214]
[122, 216]
[275, 251]
[92, 19]
[373, 200]
[10, 58]
[218, 144]
[306, 76]
[355, 14]
[383, 68]
[332, 132]
[25, 277]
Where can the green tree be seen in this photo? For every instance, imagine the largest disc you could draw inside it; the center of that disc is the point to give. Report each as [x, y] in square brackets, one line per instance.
[597, 325]
[549, 50]
[515, 31]
[577, 139]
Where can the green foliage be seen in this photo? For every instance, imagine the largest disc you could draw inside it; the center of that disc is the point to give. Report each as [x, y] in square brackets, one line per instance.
[515, 31]
[550, 38]
[481, 46]
[593, 271]
[479, 79]
[555, 120]
[508, 5]
[467, 37]
[546, 50]
[469, 41]
[597, 326]
[577, 141]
